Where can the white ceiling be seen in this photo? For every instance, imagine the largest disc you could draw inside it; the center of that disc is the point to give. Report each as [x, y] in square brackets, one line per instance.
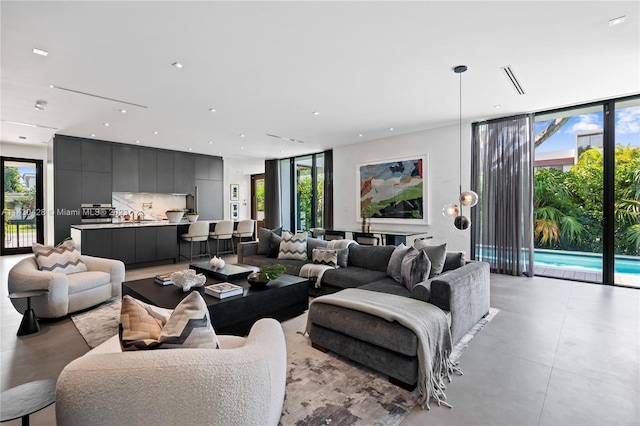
[267, 66]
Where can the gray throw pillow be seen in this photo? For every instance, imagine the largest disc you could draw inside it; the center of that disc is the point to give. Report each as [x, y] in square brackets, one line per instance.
[436, 254]
[395, 262]
[264, 239]
[415, 268]
[274, 248]
[343, 257]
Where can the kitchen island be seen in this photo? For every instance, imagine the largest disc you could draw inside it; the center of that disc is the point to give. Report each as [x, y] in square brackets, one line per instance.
[137, 244]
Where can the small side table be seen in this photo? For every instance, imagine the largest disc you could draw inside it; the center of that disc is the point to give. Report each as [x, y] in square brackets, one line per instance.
[29, 324]
[26, 399]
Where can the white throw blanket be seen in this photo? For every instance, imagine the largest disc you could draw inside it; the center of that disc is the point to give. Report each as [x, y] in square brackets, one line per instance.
[428, 322]
[314, 271]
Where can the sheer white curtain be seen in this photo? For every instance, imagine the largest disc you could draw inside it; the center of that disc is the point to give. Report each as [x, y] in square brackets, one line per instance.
[502, 175]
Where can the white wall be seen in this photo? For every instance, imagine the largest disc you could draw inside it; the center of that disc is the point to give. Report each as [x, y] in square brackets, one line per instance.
[36, 152]
[442, 147]
[239, 171]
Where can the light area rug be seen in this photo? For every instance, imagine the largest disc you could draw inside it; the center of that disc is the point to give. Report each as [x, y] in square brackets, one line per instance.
[322, 388]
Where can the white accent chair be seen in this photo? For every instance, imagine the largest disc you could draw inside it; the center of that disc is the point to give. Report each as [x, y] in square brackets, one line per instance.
[66, 293]
[245, 229]
[223, 231]
[242, 383]
[198, 232]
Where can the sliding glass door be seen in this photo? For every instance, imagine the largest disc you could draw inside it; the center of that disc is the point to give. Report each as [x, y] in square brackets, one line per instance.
[627, 193]
[22, 205]
[587, 193]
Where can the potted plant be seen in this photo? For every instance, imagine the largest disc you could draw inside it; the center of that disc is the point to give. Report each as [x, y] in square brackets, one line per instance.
[266, 274]
[192, 216]
[174, 215]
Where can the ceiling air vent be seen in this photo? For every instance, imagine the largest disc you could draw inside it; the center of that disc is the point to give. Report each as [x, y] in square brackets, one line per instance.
[286, 139]
[511, 76]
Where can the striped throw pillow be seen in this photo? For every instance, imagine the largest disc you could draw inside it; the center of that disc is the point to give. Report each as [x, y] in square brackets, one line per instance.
[63, 258]
[142, 327]
[325, 257]
[293, 247]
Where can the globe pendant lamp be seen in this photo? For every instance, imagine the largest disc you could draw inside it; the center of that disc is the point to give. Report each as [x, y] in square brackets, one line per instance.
[467, 198]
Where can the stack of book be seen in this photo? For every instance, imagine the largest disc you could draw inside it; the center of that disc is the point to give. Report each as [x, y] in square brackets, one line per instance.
[223, 290]
[164, 279]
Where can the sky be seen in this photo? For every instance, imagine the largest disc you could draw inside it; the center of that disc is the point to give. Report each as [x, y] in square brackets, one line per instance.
[627, 129]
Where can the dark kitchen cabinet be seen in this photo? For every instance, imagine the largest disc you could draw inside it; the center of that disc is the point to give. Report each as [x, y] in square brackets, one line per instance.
[96, 187]
[67, 153]
[146, 243]
[125, 168]
[184, 173]
[67, 188]
[147, 170]
[216, 168]
[164, 176]
[123, 245]
[202, 167]
[97, 242]
[166, 242]
[96, 157]
[210, 194]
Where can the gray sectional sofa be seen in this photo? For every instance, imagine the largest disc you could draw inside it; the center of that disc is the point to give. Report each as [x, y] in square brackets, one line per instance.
[461, 291]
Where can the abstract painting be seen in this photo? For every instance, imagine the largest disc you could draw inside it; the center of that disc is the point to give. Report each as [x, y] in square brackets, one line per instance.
[394, 191]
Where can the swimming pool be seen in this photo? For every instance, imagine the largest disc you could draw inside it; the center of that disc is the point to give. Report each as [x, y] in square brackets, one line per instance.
[584, 261]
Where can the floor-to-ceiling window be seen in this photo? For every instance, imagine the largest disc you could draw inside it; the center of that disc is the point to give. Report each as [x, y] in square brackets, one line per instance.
[22, 204]
[587, 193]
[302, 192]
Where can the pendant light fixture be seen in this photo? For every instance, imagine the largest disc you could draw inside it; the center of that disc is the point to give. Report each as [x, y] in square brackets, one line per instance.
[467, 198]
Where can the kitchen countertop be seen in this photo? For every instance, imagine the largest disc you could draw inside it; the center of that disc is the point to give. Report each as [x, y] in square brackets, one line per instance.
[127, 224]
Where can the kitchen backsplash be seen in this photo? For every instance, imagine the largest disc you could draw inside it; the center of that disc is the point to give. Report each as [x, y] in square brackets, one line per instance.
[153, 206]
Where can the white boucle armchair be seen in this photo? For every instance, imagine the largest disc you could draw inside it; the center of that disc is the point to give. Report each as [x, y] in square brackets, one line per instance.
[242, 383]
[67, 293]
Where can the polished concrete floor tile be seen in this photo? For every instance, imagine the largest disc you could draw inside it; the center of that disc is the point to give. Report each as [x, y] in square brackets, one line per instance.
[581, 401]
[517, 335]
[600, 354]
[495, 389]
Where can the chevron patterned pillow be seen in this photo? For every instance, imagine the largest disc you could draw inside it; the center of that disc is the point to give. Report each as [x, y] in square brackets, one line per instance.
[63, 258]
[293, 247]
[144, 327]
[325, 257]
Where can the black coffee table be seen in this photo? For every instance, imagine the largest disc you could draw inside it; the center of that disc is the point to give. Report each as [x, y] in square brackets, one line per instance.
[26, 399]
[284, 298]
[227, 272]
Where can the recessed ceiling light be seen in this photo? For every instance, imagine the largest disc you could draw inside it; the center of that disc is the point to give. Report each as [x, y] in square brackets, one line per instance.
[212, 109]
[219, 153]
[137, 141]
[282, 152]
[497, 106]
[93, 135]
[177, 65]
[124, 111]
[241, 135]
[617, 21]
[155, 132]
[105, 124]
[359, 135]
[391, 129]
[51, 86]
[210, 142]
[190, 149]
[40, 52]
[242, 147]
[316, 113]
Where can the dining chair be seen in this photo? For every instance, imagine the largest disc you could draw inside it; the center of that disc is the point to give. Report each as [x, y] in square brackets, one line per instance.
[197, 232]
[330, 234]
[366, 239]
[223, 231]
[245, 229]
